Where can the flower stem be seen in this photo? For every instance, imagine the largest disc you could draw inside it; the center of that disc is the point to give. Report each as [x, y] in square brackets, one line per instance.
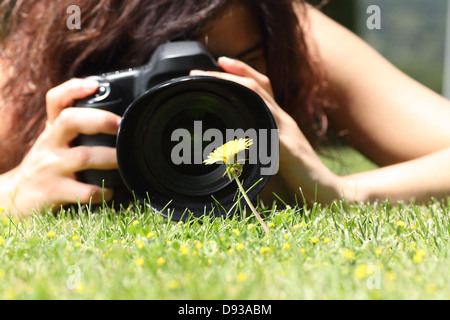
[249, 202]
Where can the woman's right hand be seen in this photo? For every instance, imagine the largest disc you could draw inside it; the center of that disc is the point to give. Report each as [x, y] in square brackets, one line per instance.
[46, 178]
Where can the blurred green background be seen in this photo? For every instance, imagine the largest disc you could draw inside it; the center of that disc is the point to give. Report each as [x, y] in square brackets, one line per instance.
[412, 34]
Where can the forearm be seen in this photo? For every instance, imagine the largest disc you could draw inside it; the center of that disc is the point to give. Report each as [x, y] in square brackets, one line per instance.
[418, 180]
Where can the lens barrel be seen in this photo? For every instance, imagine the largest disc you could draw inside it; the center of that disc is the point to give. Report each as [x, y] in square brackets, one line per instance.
[163, 139]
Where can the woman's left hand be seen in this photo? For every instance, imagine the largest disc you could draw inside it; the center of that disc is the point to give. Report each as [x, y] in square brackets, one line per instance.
[239, 72]
[300, 167]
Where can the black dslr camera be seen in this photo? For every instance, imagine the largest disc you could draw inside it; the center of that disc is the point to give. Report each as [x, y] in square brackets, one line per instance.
[163, 134]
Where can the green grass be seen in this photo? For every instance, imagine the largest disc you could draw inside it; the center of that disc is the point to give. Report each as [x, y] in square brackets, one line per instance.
[341, 251]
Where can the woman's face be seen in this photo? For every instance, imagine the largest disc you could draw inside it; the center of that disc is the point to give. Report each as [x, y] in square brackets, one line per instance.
[235, 33]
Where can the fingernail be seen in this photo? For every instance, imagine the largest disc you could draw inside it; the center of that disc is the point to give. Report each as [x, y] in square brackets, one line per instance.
[226, 60]
[198, 73]
[89, 84]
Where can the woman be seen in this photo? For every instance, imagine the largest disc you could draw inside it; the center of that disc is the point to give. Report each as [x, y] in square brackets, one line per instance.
[309, 70]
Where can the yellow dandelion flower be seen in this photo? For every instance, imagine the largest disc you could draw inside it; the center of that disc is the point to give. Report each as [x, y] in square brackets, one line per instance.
[235, 231]
[361, 271]
[135, 222]
[378, 252]
[326, 240]
[349, 255]
[263, 250]
[286, 246]
[227, 153]
[271, 225]
[79, 288]
[123, 242]
[75, 237]
[184, 250]
[51, 235]
[431, 288]
[400, 223]
[2, 241]
[140, 244]
[77, 244]
[239, 246]
[315, 240]
[286, 236]
[421, 253]
[242, 277]
[391, 276]
[199, 245]
[160, 262]
[418, 256]
[301, 224]
[174, 284]
[151, 235]
[140, 262]
[413, 227]
[302, 250]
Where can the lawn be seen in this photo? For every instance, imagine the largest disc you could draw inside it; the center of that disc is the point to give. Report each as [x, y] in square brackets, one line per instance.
[340, 251]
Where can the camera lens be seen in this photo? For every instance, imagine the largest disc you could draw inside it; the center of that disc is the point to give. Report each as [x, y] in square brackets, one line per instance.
[164, 138]
[191, 112]
[185, 111]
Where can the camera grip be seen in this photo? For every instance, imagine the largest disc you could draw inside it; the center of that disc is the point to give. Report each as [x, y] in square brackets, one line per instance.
[106, 178]
[105, 99]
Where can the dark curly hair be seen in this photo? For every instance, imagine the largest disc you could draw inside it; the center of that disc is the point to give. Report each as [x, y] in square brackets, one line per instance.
[40, 51]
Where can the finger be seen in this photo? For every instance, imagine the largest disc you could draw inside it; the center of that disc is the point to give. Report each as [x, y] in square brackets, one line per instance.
[84, 158]
[250, 83]
[62, 96]
[261, 86]
[242, 69]
[75, 121]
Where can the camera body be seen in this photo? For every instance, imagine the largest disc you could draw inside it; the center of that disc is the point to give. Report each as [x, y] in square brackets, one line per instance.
[156, 100]
[117, 90]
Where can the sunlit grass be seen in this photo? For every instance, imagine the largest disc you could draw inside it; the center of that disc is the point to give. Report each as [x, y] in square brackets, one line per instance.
[338, 252]
[341, 251]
